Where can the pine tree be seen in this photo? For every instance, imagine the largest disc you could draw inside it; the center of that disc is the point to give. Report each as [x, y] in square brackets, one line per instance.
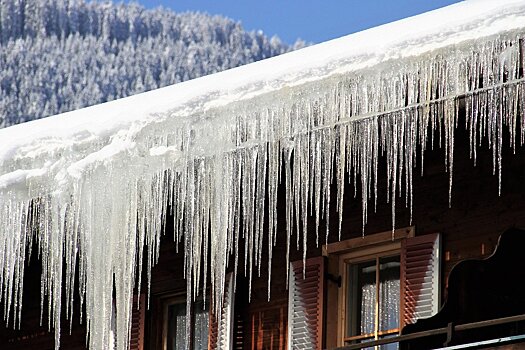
[59, 55]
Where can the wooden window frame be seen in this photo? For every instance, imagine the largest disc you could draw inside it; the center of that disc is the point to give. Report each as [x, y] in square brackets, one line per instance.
[345, 260]
[357, 250]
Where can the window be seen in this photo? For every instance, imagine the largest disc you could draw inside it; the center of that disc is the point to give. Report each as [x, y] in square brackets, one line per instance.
[171, 329]
[372, 299]
[369, 296]
[176, 329]
[380, 283]
[205, 330]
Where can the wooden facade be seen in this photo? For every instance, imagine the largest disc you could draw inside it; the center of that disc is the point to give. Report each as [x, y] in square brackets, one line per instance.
[469, 229]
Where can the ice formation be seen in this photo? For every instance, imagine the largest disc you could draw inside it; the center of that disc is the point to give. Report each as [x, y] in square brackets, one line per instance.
[92, 188]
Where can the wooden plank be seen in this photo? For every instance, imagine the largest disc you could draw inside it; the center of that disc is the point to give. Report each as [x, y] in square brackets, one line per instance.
[367, 240]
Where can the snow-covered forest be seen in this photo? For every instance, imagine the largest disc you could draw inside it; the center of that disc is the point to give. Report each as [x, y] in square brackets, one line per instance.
[61, 55]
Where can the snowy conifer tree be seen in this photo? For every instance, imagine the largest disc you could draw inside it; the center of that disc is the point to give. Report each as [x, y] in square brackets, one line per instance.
[60, 55]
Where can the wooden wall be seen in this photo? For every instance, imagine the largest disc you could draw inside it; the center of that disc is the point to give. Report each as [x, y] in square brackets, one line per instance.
[470, 229]
[31, 335]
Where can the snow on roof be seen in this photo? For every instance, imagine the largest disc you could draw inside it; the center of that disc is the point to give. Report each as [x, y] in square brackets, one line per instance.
[96, 182]
[408, 37]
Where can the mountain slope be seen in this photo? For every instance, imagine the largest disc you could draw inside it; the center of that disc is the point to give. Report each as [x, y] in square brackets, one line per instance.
[60, 55]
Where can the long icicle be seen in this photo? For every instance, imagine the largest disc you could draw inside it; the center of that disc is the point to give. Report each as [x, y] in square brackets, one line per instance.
[219, 176]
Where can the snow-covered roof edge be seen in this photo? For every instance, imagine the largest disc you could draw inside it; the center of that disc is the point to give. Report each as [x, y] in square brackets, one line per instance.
[404, 38]
[94, 185]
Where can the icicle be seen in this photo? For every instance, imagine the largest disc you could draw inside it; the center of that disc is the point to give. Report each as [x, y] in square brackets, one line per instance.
[289, 207]
[340, 159]
[218, 173]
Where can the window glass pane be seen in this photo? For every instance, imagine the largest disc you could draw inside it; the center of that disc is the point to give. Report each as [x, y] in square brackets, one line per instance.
[389, 293]
[176, 327]
[361, 298]
[200, 335]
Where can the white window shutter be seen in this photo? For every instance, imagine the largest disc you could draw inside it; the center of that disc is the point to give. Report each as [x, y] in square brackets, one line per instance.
[305, 304]
[420, 277]
[221, 329]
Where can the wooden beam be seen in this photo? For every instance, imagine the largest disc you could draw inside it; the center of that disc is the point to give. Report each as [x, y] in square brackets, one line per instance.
[368, 240]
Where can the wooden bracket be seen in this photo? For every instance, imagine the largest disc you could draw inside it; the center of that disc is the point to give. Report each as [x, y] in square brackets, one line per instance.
[335, 279]
[450, 333]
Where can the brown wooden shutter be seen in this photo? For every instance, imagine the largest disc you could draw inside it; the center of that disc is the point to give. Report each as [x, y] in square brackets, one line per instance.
[137, 322]
[267, 327]
[259, 325]
[213, 331]
[305, 304]
[239, 330]
[420, 277]
[220, 329]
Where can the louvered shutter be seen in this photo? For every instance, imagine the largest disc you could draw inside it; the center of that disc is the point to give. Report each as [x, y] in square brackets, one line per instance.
[221, 330]
[137, 322]
[267, 327]
[305, 304]
[420, 277]
[239, 330]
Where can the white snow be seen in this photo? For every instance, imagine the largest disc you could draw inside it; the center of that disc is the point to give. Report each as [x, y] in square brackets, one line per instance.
[408, 37]
[97, 182]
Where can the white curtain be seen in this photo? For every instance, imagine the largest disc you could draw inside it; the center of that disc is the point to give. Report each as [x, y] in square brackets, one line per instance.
[200, 336]
[368, 309]
[389, 294]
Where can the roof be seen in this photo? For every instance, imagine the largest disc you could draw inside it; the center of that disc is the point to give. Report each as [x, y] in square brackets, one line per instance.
[192, 101]
[97, 181]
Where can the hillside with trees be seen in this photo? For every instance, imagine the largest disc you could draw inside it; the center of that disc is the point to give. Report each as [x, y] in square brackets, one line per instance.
[61, 55]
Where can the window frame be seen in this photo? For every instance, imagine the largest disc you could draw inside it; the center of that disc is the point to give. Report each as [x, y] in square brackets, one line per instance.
[355, 250]
[346, 260]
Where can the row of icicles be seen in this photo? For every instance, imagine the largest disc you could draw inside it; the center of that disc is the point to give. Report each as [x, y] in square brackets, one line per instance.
[222, 187]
